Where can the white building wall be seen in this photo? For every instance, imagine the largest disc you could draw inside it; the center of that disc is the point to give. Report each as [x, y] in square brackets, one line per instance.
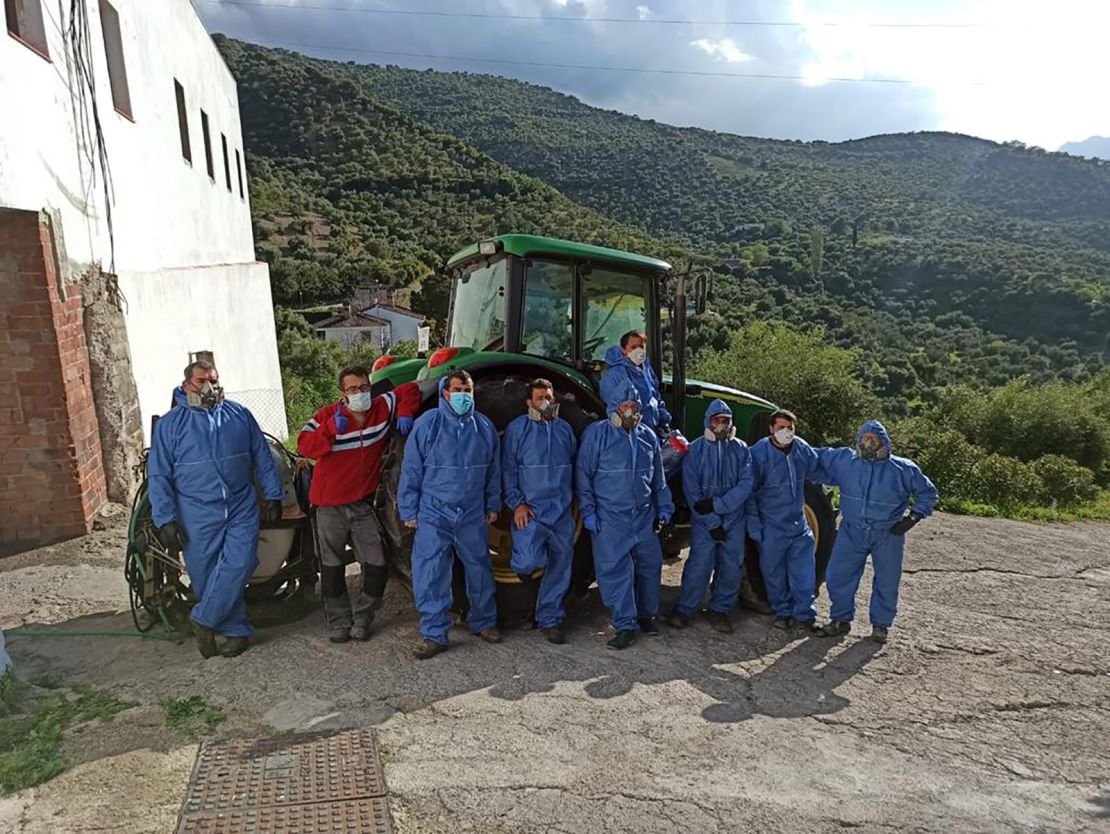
[351, 336]
[401, 327]
[167, 214]
[176, 312]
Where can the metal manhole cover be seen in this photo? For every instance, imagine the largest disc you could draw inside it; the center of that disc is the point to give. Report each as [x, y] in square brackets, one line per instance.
[305, 783]
[364, 816]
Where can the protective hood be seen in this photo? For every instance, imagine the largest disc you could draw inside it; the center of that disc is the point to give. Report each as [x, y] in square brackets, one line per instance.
[875, 427]
[631, 395]
[613, 356]
[716, 407]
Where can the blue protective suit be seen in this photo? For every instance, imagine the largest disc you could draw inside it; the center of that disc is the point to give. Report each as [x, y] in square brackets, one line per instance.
[619, 480]
[720, 470]
[537, 469]
[777, 522]
[874, 495]
[623, 381]
[200, 474]
[450, 479]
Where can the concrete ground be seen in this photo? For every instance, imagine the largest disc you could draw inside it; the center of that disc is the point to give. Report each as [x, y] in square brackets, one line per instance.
[989, 710]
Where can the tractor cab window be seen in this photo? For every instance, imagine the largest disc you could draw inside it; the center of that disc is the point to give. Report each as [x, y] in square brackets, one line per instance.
[548, 310]
[614, 303]
[478, 310]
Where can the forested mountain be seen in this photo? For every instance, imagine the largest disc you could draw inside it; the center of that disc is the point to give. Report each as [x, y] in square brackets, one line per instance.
[347, 189]
[943, 258]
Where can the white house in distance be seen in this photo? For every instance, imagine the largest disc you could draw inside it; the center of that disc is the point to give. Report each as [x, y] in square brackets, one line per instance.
[121, 165]
[381, 324]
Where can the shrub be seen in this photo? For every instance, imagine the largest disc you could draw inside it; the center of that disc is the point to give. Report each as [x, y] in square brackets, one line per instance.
[944, 455]
[1006, 482]
[1064, 483]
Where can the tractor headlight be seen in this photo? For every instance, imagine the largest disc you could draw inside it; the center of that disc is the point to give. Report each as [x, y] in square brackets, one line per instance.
[488, 247]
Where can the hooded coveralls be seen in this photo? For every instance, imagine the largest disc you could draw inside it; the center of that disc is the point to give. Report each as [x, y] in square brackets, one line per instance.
[720, 470]
[623, 381]
[874, 495]
[619, 480]
[200, 472]
[537, 468]
[777, 522]
[450, 479]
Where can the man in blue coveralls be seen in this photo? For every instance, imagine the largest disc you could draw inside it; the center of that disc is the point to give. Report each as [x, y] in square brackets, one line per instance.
[876, 490]
[537, 468]
[629, 376]
[781, 464]
[717, 481]
[450, 492]
[203, 458]
[624, 500]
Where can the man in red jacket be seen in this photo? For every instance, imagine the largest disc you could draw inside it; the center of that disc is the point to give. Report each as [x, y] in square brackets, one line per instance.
[347, 440]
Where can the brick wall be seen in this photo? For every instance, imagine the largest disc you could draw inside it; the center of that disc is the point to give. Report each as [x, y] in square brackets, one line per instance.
[51, 474]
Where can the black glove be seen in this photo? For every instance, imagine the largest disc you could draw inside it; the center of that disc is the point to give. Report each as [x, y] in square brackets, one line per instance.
[718, 534]
[172, 536]
[907, 522]
[657, 526]
[704, 506]
[271, 511]
[664, 429]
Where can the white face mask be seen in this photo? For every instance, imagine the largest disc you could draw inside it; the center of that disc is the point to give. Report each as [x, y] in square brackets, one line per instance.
[637, 356]
[784, 437]
[359, 402]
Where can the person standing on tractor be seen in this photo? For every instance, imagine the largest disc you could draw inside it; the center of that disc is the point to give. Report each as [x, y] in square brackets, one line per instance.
[628, 371]
[781, 464]
[717, 482]
[204, 456]
[876, 491]
[346, 440]
[624, 500]
[537, 468]
[450, 492]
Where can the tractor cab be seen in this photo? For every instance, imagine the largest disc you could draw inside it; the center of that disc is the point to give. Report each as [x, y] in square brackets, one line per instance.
[560, 302]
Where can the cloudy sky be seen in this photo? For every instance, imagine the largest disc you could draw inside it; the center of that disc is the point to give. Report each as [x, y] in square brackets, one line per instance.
[1002, 69]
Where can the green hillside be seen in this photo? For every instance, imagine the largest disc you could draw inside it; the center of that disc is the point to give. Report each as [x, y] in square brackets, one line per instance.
[347, 189]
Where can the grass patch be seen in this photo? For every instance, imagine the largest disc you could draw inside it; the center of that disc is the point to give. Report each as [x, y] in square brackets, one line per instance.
[32, 731]
[192, 713]
[1096, 510]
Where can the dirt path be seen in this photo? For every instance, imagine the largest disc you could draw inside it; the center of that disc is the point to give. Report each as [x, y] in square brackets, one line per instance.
[988, 711]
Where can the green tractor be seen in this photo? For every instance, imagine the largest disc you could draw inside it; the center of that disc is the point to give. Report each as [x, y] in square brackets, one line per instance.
[524, 306]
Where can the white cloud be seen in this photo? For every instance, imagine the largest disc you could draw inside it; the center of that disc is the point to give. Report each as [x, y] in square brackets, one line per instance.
[724, 49]
[1024, 73]
[643, 12]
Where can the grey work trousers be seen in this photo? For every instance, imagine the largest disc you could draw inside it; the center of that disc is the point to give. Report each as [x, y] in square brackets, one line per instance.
[336, 527]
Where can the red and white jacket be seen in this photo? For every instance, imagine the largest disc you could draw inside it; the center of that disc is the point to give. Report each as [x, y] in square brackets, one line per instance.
[349, 462]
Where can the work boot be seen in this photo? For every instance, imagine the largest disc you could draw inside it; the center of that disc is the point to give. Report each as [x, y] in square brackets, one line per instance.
[782, 623]
[206, 640]
[878, 634]
[808, 626]
[235, 646]
[719, 621]
[340, 634]
[677, 620]
[622, 640]
[554, 635]
[360, 632]
[490, 635]
[428, 648]
[835, 628]
[650, 626]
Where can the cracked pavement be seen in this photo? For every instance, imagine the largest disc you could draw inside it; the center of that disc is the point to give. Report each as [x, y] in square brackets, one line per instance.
[989, 710]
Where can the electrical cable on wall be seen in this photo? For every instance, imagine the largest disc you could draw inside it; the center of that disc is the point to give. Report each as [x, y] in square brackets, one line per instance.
[77, 35]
